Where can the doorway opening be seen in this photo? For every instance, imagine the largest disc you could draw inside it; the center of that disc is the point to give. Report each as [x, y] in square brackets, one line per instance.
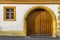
[40, 22]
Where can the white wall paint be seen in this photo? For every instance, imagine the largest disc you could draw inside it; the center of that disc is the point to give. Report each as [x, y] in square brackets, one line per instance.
[21, 10]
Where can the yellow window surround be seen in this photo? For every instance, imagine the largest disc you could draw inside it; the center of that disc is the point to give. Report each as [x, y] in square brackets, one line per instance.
[14, 12]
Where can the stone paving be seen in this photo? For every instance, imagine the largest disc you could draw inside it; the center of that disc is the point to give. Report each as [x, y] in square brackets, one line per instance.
[27, 38]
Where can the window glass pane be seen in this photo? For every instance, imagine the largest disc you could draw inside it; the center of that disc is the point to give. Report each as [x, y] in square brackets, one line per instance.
[7, 16]
[7, 10]
[12, 10]
[12, 15]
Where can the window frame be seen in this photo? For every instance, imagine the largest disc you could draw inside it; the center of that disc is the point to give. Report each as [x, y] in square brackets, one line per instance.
[8, 7]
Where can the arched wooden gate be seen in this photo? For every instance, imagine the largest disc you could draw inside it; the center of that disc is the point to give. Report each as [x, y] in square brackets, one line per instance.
[40, 22]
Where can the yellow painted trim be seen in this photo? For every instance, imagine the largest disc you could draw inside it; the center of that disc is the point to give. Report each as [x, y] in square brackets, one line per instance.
[47, 9]
[29, 2]
[59, 17]
[14, 13]
[12, 33]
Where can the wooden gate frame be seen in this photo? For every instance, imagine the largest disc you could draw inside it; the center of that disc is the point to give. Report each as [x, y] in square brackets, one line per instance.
[47, 9]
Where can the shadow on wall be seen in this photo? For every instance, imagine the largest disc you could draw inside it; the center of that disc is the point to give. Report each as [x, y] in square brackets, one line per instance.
[0, 28]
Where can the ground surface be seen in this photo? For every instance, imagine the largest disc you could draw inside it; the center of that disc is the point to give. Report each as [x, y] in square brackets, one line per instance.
[27, 38]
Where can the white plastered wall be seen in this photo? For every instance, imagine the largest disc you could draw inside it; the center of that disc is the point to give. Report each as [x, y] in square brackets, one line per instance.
[21, 10]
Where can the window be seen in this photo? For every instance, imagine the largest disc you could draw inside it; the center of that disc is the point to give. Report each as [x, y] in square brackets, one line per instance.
[10, 13]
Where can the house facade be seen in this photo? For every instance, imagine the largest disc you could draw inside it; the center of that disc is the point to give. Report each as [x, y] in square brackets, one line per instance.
[19, 18]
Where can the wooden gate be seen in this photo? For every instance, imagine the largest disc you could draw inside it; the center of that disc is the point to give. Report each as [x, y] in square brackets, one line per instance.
[39, 22]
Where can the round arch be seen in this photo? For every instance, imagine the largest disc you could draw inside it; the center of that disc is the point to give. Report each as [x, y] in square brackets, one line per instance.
[45, 8]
